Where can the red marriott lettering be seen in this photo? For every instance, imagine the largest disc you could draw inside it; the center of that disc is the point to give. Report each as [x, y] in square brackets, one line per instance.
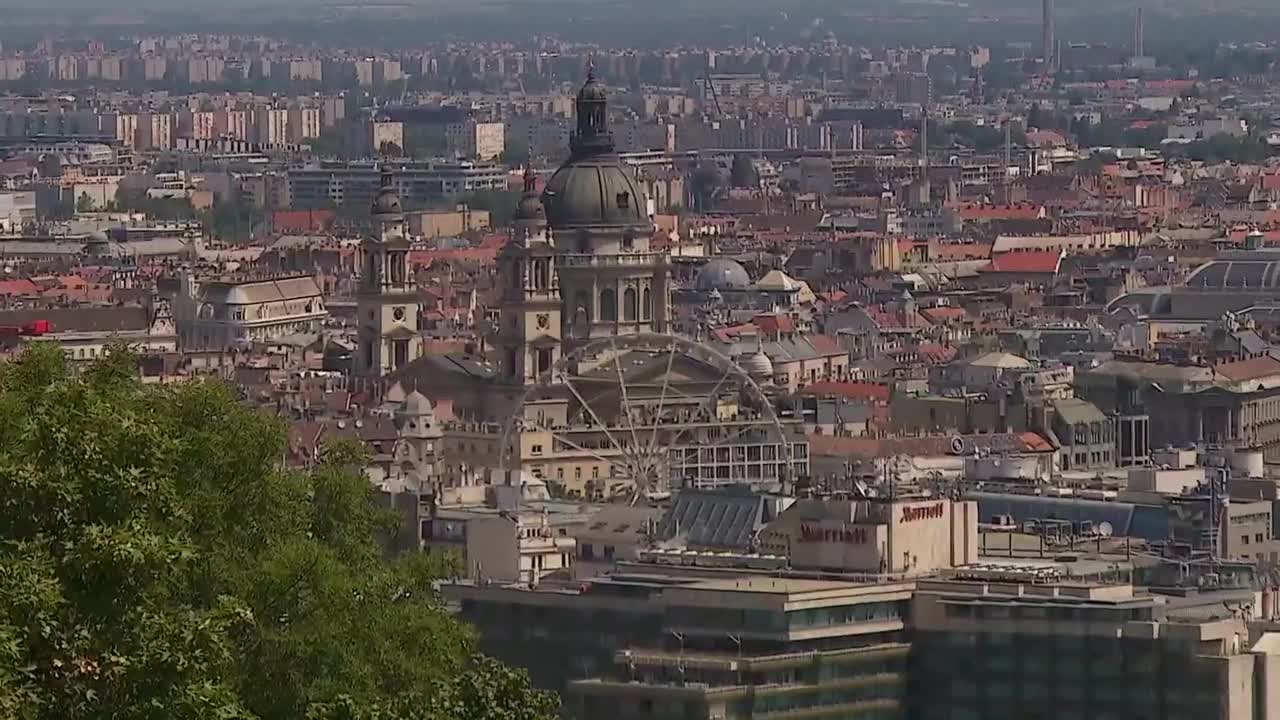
[928, 512]
[846, 535]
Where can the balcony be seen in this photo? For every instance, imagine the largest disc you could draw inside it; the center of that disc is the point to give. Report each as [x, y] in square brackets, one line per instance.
[589, 260]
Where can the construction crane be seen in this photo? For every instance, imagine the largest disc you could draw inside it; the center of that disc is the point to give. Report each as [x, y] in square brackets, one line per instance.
[711, 90]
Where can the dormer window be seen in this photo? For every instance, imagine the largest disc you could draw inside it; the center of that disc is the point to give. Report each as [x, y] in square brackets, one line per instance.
[624, 200]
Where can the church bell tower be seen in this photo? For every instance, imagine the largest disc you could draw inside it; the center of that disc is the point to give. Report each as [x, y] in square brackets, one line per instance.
[528, 335]
[388, 296]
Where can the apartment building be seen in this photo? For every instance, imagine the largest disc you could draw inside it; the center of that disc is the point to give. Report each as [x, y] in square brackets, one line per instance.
[339, 182]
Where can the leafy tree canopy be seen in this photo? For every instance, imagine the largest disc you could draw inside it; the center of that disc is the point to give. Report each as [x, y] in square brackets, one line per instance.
[158, 563]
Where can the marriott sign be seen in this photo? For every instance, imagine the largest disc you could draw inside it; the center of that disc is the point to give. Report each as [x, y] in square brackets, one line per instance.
[927, 512]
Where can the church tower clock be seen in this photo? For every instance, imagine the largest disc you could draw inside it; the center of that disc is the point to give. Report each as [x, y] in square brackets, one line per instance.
[388, 296]
[528, 335]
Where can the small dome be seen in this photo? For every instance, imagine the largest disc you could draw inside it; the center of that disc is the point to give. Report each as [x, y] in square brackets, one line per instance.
[757, 364]
[593, 90]
[415, 403]
[387, 202]
[723, 274]
[530, 207]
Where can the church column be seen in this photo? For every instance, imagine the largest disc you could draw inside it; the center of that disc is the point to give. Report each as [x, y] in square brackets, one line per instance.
[619, 301]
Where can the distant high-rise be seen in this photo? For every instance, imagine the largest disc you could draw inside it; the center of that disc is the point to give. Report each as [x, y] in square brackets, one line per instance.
[1050, 42]
[1138, 33]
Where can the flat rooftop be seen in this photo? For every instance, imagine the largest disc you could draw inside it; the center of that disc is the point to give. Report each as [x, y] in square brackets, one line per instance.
[793, 586]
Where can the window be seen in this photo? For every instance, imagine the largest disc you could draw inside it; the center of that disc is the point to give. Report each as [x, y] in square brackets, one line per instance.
[536, 450]
[628, 243]
[629, 305]
[624, 200]
[1244, 539]
[588, 551]
[608, 305]
[608, 552]
[582, 308]
[577, 473]
[397, 267]
[595, 473]
[646, 308]
[1258, 538]
[540, 274]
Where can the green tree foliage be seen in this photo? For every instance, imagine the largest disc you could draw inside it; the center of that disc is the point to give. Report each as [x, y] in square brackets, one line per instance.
[137, 200]
[1224, 148]
[501, 204]
[705, 182]
[158, 563]
[743, 173]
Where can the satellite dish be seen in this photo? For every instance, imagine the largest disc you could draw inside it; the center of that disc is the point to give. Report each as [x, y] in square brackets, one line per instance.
[957, 445]
[1105, 530]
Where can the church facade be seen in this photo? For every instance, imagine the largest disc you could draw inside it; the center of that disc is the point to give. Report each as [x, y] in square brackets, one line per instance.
[580, 267]
[387, 304]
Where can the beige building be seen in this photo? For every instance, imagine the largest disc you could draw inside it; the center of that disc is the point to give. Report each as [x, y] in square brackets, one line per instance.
[902, 537]
[155, 131]
[303, 124]
[476, 140]
[516, 547]
[271, 125]
[446, 223]
[223, 314]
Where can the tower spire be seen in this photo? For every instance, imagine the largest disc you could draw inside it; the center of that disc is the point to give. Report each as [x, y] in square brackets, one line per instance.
[592, 136]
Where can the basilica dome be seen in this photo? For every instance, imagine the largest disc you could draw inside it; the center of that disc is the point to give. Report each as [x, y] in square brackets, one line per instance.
[594, 188]
[594, 191]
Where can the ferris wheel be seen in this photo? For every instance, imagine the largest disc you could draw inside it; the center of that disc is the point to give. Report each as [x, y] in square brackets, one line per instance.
[647, 412]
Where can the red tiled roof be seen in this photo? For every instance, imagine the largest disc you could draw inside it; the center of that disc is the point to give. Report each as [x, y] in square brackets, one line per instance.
[1031, 261]
[936, 353]
[1250, 369]
[982, 211]
[773, 324]
[300, 222]
[939, 315]
[479, 256]
[19, 286]
[1270, 237]
[825, 344]
[729, 334]
[929, 445]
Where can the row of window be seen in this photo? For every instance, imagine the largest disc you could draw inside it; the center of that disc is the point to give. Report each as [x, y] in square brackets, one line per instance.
[1043, 612]
[632, 307]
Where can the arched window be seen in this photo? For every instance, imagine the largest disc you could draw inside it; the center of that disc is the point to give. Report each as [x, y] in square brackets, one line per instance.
[630, 311]
[397, 267]
[582, 308]
[540, 274]
[608, 305]
[647, 307]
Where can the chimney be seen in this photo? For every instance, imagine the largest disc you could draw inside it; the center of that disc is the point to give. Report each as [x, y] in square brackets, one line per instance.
[1138, 33]
[1049, 41]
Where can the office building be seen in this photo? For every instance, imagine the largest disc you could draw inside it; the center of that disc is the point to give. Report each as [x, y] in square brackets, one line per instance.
[417, 182]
